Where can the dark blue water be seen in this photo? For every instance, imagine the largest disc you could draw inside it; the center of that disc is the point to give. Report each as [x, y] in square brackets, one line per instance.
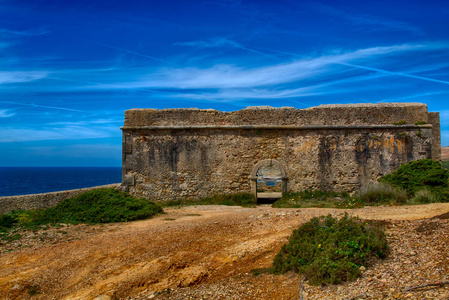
[34, 180]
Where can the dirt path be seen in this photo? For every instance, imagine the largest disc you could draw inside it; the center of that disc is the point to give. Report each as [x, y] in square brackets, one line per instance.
[210, 251]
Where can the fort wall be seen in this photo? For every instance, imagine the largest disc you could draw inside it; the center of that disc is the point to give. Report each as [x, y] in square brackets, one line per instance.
[189, 153]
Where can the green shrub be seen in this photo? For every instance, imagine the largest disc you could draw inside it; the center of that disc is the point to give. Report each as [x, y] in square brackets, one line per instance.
[420, 174]
[102, 206]
[382, 193]
[329, 251]
[7, 221]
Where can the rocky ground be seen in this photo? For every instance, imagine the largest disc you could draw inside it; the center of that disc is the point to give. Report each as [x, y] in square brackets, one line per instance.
[218, 252]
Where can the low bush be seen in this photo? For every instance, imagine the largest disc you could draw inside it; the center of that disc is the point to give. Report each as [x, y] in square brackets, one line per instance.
[418, 175]
[7, 221]
[382, 193]
[96, 206]
[238, 199]
[329, 251]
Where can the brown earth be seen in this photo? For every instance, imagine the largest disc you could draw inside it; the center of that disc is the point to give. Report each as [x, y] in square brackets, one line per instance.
[211, 252]
[444, 153]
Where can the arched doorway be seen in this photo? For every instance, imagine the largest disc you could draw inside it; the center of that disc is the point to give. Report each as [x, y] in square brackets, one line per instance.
[268, 180]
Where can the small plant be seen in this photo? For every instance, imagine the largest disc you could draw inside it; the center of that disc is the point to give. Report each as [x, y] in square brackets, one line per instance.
[33, 290]
[330, 251]
[401, 122]
[421, 122]
[419, 133]
[7, 221]
[382, 193]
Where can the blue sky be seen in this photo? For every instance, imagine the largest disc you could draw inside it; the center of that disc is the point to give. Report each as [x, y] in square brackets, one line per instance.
[69, 69]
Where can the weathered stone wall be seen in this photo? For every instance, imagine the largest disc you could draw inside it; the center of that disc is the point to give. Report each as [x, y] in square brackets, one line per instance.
[351, 114]
[173, 154]
[44, 200]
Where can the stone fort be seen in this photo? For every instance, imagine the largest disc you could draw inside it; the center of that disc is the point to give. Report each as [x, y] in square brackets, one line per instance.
[174, 154]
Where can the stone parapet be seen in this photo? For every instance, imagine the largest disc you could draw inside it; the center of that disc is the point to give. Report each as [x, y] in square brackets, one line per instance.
[352, 114]
[44, 200]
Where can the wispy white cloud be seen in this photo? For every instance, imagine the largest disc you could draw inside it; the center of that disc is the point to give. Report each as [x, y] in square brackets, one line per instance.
[87, 122]
[40, 106]
[445, 138]
[305, 76]
[21, 76]
[444, 117]
[229, 76]
[134, 53]
[412, 96]
[6, 113]
[32, 32]
[211, 43]
[4, 44]
[221, 42]
[57, 133]
[397, 73]
[372, 22]
[103, 151]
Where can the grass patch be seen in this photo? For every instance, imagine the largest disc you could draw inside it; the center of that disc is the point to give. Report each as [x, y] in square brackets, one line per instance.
[422, 197]
[330, 251]
[93, 207]
[382, 193]
[420, 122]
[401, 122]
[239, 199]
[310, 198]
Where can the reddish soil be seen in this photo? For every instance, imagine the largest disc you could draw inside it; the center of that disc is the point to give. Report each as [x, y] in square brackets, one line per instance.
[210, 252]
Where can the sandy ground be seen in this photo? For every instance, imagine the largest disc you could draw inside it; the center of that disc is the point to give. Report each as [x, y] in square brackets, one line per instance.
[209, 252]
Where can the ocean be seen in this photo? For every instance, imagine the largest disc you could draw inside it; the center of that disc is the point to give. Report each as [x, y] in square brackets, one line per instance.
[34, 180]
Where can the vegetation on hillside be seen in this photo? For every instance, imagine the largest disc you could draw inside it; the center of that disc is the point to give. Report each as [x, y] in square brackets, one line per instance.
[105, 205]
[418, 182]
[330, 251]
